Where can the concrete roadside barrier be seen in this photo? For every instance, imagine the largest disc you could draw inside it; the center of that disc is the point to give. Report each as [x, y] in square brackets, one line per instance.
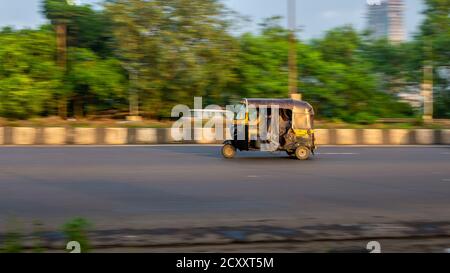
[200, 136]
[116, 136]
[445, 137]
[346, 137]
[167, 135]
[212, 136]
[54, 136]
[322, 136]
[373, 137]
[124, 136]
[425, 136]
[400, 137]
[146, 136]
[85, 136]
[24, 136]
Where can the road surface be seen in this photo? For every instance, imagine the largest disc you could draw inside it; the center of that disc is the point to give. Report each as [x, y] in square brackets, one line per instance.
[146, 186]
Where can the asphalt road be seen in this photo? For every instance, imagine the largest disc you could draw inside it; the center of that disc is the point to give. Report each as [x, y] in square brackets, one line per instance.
[192, 185]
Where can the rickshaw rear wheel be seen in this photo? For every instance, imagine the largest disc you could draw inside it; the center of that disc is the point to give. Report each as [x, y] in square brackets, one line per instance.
[302, 153]
[228, 151]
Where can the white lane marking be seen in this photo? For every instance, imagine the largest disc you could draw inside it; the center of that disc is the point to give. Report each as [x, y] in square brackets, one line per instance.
[446, 180]
[385, 146]
[252, 176]
[212, 145]
[445, 153]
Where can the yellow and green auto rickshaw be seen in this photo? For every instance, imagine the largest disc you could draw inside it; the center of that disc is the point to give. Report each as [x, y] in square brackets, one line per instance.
[293, 132]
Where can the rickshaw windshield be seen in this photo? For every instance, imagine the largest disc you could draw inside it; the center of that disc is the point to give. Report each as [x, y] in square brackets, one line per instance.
[302, 121]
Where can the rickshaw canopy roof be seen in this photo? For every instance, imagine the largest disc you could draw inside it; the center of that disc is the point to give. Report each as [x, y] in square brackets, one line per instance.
[297, 106]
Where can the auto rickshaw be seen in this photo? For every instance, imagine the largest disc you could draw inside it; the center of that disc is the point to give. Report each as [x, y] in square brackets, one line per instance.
[295, 132]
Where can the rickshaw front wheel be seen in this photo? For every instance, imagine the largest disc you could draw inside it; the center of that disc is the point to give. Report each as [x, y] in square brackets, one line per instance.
[302, 153]
[228, 151]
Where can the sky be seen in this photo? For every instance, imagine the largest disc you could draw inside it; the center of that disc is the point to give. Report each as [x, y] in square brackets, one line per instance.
[313, 16]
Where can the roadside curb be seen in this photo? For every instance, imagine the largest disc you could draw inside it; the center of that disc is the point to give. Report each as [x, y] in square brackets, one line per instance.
[144, 136]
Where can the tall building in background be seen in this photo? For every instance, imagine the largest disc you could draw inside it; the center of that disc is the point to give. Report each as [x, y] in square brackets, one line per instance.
[385, 19]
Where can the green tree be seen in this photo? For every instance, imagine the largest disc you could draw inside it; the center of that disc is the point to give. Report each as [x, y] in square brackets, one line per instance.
[94, 80]
[174, 50]
[86, 27]
[334, 75]
[95, 83]
[436, 29]
[29, 77]
[263, 68]
[395, 65]
[435, 36]
[339, 45]
[346, 78]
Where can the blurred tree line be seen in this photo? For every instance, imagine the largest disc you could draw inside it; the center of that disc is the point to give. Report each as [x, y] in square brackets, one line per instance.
[169, 51]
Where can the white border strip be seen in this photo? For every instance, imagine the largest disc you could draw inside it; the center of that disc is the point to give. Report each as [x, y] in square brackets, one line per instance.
[212, 145]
